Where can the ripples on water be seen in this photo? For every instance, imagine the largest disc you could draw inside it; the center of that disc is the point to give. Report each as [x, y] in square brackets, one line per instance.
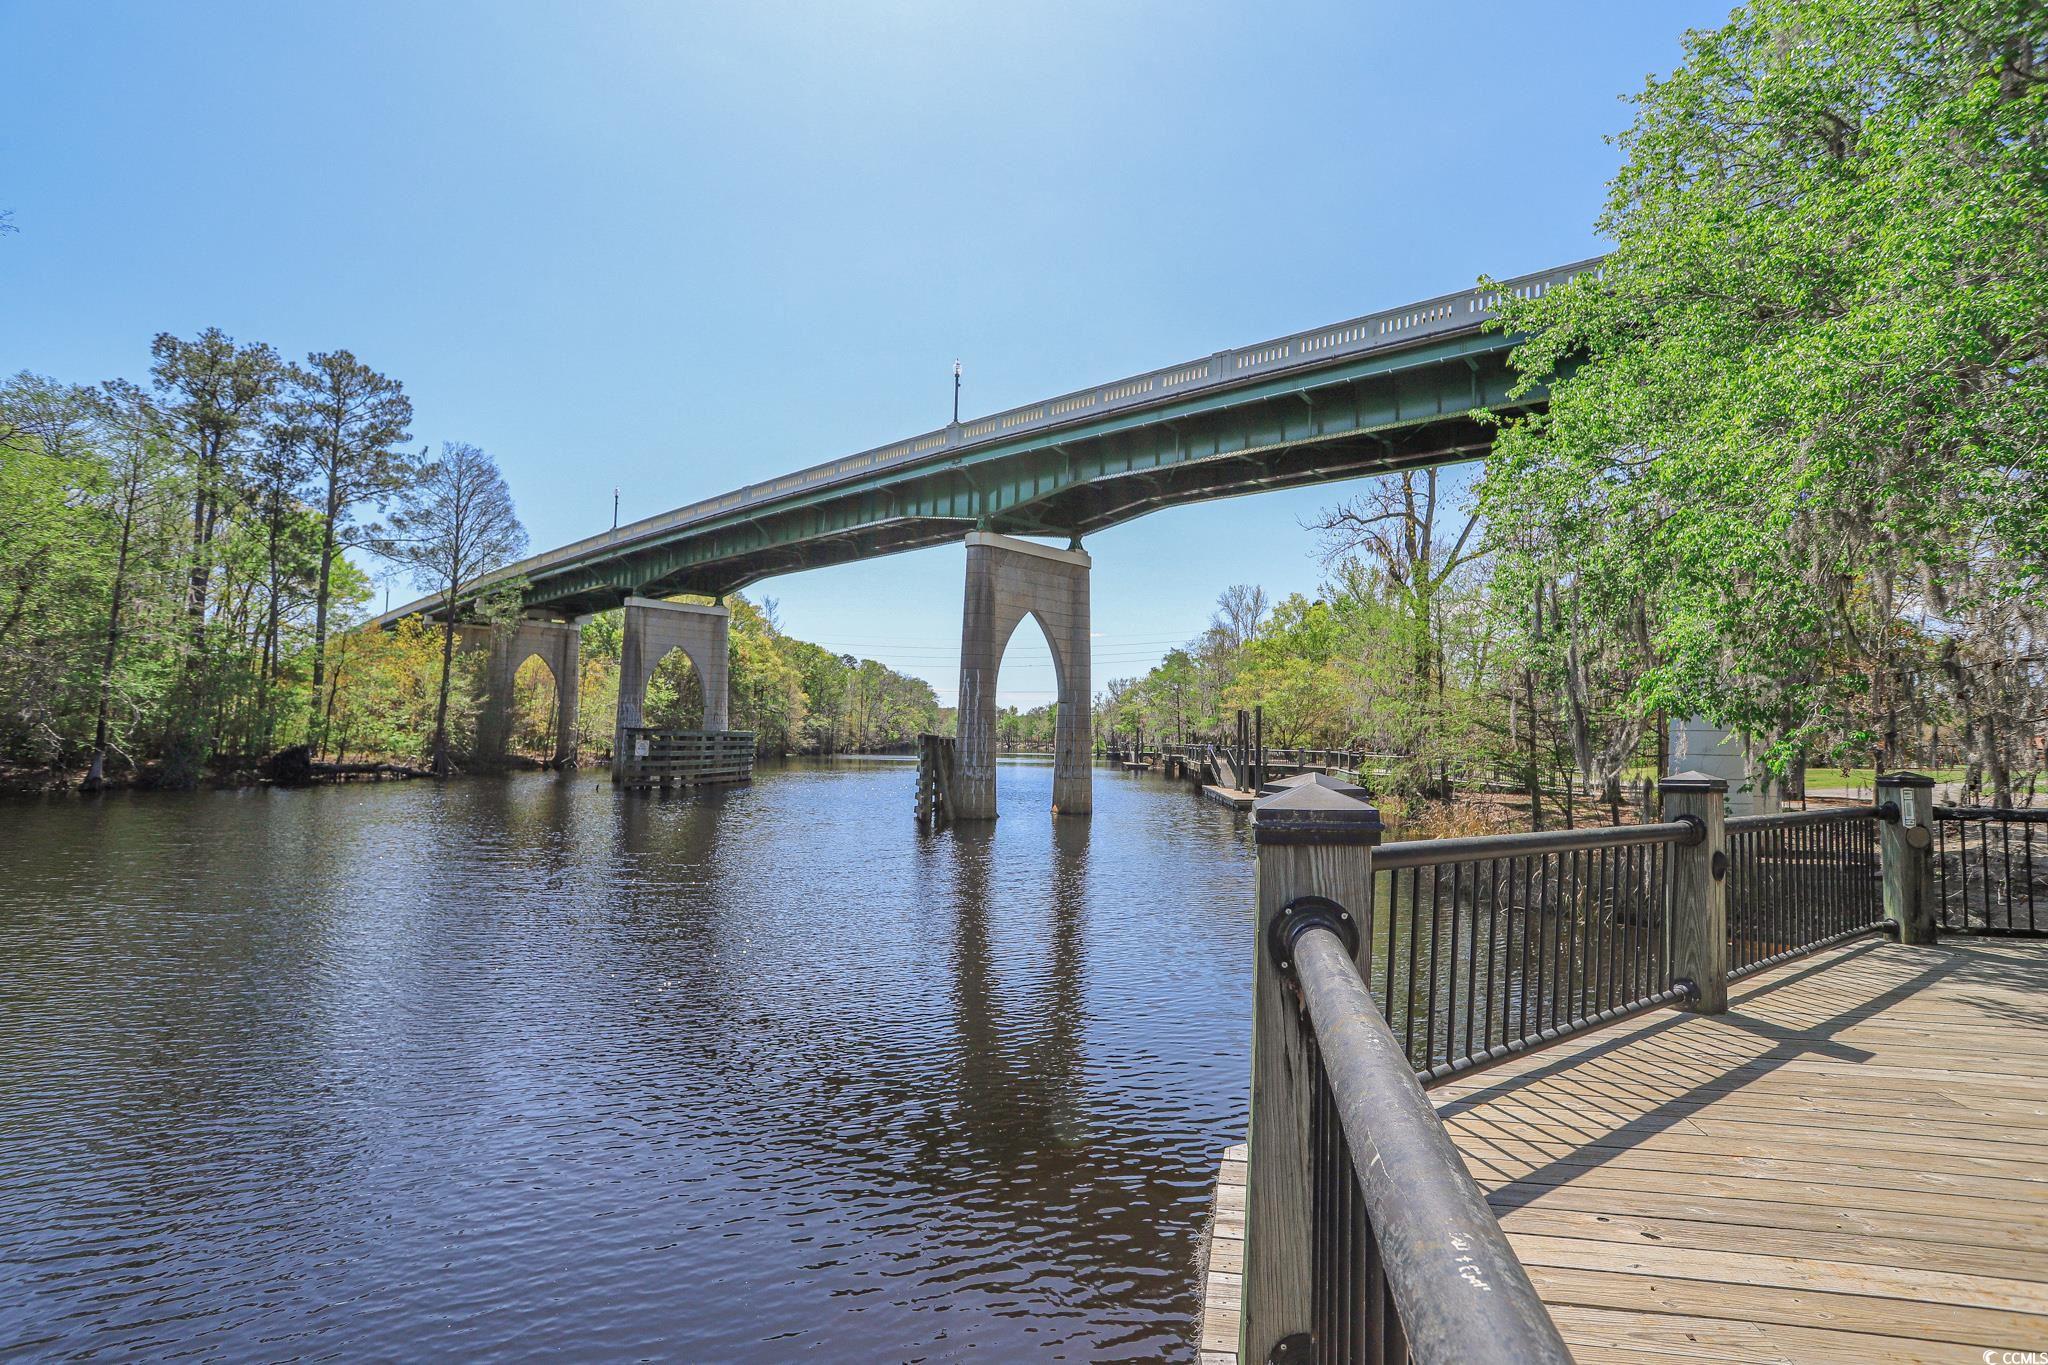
[527, 1066]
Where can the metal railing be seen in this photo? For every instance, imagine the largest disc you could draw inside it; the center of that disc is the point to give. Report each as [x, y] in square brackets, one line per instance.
[1988, 878]
[1408, 1262]
[1800, 881]
[1485, 947]
[1475, 950]
[1464, 311]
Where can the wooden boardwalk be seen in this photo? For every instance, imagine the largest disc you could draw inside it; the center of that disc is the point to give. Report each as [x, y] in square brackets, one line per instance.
[1851, 1164]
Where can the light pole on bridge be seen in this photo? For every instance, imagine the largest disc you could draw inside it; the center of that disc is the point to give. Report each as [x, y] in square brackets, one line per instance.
[956, 393]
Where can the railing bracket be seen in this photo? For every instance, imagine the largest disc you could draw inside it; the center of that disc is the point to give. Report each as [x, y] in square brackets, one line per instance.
[1290, 1349]
[1302, 914]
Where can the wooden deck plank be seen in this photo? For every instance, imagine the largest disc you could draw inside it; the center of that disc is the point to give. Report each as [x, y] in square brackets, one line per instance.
[1852, 1164]
[1961, 1257]
[1223, 1263]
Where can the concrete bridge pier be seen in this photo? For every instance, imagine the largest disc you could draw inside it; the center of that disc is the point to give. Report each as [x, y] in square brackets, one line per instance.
[558, 645]
[1008, 579]
[1700, 746]
[652, 629]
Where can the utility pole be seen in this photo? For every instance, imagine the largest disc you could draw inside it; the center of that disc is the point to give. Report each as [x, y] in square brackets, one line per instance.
[956, 393]
[615, 509]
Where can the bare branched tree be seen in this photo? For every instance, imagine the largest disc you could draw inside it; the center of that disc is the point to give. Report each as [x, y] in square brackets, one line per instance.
[452, 527]
[1239, 610]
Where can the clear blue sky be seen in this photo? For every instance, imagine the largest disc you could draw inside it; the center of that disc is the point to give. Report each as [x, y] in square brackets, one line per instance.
[675, 248]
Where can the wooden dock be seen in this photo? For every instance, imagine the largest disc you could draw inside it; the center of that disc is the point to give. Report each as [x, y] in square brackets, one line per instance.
[1850, 1164]
[1223, 1263]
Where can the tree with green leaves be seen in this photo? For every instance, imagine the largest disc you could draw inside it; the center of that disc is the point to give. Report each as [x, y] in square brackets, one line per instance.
[1799, 419]
[356, 422]
[138, 467]
[214, 395]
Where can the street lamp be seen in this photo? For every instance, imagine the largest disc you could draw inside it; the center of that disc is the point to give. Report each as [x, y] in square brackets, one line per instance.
[956, 393]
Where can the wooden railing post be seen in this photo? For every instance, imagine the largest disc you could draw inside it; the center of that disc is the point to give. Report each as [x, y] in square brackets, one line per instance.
[1312, 840]
[1906, 844]
[1697, 909]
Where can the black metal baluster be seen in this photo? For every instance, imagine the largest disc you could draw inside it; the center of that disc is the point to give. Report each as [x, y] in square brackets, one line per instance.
[1494, 993]
[1646, 864]
[1596, 931]
[1429, 1018]
[1568, 934]
[1392, 915]
[1451, 1053]
[1984, 870]
[2005, 861]
[1472, 970]
[1812, 884]
[1414, 939]
[2031, 926]
[1377, 1308]
[1531, 921]
[1941, 872]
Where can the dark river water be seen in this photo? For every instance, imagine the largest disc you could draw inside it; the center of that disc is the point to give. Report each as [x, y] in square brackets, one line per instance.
[525, 1067]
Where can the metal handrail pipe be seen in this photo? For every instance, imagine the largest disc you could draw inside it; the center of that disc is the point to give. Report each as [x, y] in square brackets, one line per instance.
[1675, 994]
[1461, 1293]
[1883, 926]
[1828, 815]
[2014, 814]
[1480, 847]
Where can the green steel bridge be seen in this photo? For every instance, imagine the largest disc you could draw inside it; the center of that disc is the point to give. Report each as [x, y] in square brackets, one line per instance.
[1391, 390]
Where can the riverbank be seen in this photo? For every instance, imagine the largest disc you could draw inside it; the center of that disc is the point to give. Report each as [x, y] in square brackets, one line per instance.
[22, 780]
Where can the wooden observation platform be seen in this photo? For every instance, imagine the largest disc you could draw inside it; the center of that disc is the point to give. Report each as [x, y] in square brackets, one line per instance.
[1849, 1164]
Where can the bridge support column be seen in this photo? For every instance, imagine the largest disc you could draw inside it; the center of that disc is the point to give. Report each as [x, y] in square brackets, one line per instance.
[1699, 746]
[559, 646]
[1008, 579]
[652, 629]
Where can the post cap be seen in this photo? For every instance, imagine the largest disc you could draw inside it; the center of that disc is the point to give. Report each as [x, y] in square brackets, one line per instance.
[1329, 780]
[1312, 813]
[1904, 780]
[1692, 782]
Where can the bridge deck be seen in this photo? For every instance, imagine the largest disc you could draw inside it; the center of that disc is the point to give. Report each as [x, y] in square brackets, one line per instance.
[1852, 1163]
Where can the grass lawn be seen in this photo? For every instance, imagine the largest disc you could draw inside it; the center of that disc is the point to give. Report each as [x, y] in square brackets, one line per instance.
[1828, 779]
[1867, 777]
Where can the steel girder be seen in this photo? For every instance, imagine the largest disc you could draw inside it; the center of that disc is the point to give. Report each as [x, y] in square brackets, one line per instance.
[1367, 416]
